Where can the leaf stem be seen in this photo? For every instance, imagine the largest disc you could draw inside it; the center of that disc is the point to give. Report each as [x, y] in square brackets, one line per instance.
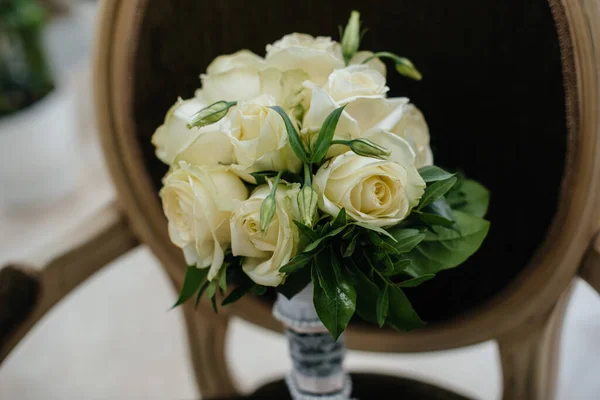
[403, 65]
[385, 280]
[276, 182]
[307, 174]
[381, 54]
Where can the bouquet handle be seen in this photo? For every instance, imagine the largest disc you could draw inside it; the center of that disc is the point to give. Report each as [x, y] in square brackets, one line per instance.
[590, 267]
[29, 290]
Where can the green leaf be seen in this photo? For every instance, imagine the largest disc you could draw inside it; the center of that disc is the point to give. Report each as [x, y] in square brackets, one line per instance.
[326, 275]
[193, 280]
[470, 197]
[325, 136]
[387, 262]
[368, 293]
[349, 233]
[213, 300]
[381, 243]
[383, 304]
[401, 315]
[294, 137]
[334, 295]
[406, 239]
[299, 261]
[446, 248]
[320, 240]
[295, 282]
[212, 290]
[398, 268]
[306, 231]
[237, 294]
[259, 290]
[433, 219]
[200, 293]
[351, 246]
[375, 229]
[432, 173]
[435, 191]
[437, 213]
[414, 282]
[223, 279]
[341, 219]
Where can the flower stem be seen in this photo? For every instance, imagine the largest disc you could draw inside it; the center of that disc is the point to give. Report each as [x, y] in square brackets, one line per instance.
[307, 174]
[381, 54]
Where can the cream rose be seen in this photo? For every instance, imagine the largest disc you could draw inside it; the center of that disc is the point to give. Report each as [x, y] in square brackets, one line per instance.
[380, 193]
[287, 89]
[265, 252]
[375, 63]
[367, 117]
[232, 77]
[259, 138]
[405, 122]
[198, 202]
[317, 56]
[360, 114]
[413, 128]
[240, 59]
[347, 84]
[173, 137]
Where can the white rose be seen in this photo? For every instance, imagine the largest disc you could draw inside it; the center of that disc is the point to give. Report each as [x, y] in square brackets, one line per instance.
[265, 252]
[375, 63]
[350, 83]
[413, 128]
[259, 138]
[408, 123]
[173, 137]
[362, 117]
[380, 193]
[232, 77]
[287, 89]
[360, 114]
[240, 59]
[317, 56]
[198, 202]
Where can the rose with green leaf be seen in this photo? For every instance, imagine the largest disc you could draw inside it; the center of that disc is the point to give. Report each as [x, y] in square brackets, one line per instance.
[297, 168]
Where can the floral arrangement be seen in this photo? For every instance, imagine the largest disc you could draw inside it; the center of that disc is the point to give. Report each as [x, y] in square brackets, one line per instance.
[297, 168]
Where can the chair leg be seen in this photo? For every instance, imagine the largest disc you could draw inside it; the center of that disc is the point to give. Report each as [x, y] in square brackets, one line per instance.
[529, 356]
[206, 336]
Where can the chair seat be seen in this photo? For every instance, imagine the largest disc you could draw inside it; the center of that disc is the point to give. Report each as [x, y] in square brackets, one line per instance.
[370, 386]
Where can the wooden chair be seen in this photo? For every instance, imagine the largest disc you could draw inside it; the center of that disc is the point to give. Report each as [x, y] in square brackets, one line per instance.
[512, 96]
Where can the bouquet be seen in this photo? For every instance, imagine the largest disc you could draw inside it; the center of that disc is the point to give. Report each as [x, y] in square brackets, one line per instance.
[297, 168]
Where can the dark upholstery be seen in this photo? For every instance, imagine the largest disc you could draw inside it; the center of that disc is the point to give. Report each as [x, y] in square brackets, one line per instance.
[492, 94]
[368, 386]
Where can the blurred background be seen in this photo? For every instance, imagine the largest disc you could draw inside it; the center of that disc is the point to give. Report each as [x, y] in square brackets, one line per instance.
[114, 338]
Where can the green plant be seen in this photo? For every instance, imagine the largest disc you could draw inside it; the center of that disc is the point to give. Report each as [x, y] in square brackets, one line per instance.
[24, 73]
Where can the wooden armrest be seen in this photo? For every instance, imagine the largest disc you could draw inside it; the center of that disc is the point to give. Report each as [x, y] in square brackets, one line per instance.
[27, 293]
[590, 267]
